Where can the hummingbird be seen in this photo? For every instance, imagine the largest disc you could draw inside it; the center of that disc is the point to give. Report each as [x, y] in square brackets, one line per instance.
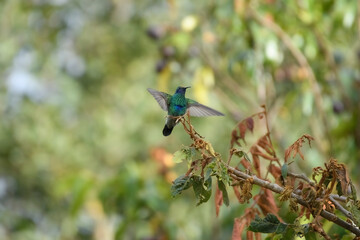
[177, 105]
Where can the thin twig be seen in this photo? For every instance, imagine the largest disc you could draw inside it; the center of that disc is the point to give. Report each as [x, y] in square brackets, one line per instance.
[341, 208]
[301, 176]
[339, 198]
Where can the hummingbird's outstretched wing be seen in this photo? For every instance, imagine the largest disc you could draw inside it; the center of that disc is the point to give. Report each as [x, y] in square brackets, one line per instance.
[198, 110]
[161, 97]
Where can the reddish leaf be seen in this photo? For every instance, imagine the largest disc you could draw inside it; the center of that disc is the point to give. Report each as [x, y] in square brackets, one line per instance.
[267, 203]
[264, 142]
[242, 129]
[295, 147]
[265, 156]
[218, 200]
[245, 163]
[275, 171]
[237, 193]
[249, 235]
[234, 138]
[239, 226]
[257, 164]
[301, 155]
[254, 152]
[287, 154]
[250, 123]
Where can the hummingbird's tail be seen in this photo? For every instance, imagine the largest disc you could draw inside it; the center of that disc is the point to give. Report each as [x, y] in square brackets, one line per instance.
[167, 131]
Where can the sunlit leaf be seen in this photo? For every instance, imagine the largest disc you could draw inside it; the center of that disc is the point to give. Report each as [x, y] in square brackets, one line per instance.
[187, 153]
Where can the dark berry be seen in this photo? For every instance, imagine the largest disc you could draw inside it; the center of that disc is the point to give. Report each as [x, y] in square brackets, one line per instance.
[160, 65]
[168, 51]
[155, 32]
[338, 107]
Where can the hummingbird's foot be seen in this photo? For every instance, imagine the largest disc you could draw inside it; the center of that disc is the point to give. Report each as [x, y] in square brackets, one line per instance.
[178, 119]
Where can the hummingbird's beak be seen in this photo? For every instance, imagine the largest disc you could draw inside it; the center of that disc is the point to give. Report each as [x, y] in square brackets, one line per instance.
[187, 87]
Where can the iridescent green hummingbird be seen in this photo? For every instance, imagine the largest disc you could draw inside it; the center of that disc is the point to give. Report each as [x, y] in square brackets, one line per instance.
[177, 105]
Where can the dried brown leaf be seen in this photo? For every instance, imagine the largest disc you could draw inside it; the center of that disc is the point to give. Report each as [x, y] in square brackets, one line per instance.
[245, 163]
[244, 194]
[343, 177]
[267, 203]
[234, 138]
[218, 200]
[256, 161]
[264, 142]
[287, 153]
[265, 156]
[275, 171]
[239, 226]
[295, 147]
[286, 194]
[242, 129]
[294, 207]
[250, 123]
[249, 235]
[237, 193]
[242, 222]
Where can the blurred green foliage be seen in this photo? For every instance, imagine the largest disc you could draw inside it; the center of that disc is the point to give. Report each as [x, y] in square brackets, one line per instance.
[81, 150]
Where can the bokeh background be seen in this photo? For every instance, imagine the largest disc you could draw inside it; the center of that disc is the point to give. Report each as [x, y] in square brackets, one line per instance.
[82, 155]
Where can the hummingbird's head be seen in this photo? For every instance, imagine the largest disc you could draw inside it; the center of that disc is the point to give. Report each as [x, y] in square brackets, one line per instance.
[181, 90]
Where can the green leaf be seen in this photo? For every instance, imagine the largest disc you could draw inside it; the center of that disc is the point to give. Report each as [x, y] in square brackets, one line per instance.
[81, 187]
[180, 184]
[222, 187]
[270, 224]
[311, 235]
[209, 170]
[278, 237]
[353, 191]
[222, 173]
[353, 207]
[239, 153]
[284, 170]
[184, 154]
[289, 233]
[179, 156]
[338, 188]
[202, 189]
[247, 157]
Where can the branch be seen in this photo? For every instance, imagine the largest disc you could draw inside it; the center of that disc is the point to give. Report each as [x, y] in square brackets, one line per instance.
[278, 189]
[303, 177]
